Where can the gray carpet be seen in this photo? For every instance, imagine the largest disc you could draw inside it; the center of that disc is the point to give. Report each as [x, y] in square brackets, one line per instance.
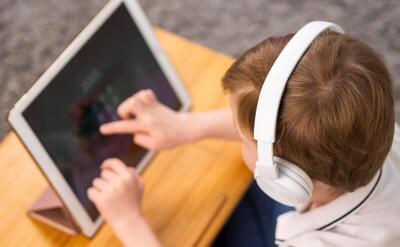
[34, 32]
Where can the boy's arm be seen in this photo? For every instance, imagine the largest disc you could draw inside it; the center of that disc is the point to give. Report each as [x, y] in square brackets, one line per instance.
[211, 124]
[135, 231]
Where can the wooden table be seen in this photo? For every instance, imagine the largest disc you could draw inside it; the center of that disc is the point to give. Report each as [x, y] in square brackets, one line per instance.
[190, 190]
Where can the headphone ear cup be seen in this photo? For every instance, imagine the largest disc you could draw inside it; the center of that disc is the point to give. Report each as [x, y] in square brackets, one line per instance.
[292, 187]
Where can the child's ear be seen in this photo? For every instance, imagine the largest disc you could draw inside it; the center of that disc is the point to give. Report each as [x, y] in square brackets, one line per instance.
[249, 153]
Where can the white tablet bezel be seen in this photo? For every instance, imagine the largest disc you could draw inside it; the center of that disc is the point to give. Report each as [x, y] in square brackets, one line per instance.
[32, 143]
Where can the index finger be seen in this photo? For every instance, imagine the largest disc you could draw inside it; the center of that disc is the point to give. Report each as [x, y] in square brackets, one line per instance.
[121, 127]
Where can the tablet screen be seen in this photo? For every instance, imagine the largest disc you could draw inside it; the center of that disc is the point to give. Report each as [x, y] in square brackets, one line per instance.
[114, 64]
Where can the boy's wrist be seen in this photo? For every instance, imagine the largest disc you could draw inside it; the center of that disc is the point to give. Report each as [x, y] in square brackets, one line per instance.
[134, 229]
[190, 127]
[197, 126]
[123, 226]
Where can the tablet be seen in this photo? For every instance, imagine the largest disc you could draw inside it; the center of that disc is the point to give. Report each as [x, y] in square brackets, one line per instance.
[58, 119]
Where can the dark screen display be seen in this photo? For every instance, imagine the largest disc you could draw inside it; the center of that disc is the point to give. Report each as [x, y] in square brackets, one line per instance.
[114, 64]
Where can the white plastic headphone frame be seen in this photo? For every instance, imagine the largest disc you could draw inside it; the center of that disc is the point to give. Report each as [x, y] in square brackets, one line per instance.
[279, 178]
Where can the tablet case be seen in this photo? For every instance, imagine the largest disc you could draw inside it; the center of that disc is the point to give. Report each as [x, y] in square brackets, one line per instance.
[48, 208]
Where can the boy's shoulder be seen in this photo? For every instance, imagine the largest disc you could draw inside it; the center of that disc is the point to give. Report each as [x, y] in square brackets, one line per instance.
[369, 216]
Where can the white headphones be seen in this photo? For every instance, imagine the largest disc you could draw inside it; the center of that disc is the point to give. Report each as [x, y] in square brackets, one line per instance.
[282, 180]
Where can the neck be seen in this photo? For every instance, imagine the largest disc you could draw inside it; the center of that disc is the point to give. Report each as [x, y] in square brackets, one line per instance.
[323, 194]
[314, 203]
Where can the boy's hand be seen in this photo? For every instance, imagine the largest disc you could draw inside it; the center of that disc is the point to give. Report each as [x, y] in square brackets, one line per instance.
[117, 193]
[155, 126]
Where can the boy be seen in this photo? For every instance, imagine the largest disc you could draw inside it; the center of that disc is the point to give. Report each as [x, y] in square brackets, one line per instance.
[336, 122]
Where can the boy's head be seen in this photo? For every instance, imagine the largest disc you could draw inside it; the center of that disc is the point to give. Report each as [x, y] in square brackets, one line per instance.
[336, 117]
